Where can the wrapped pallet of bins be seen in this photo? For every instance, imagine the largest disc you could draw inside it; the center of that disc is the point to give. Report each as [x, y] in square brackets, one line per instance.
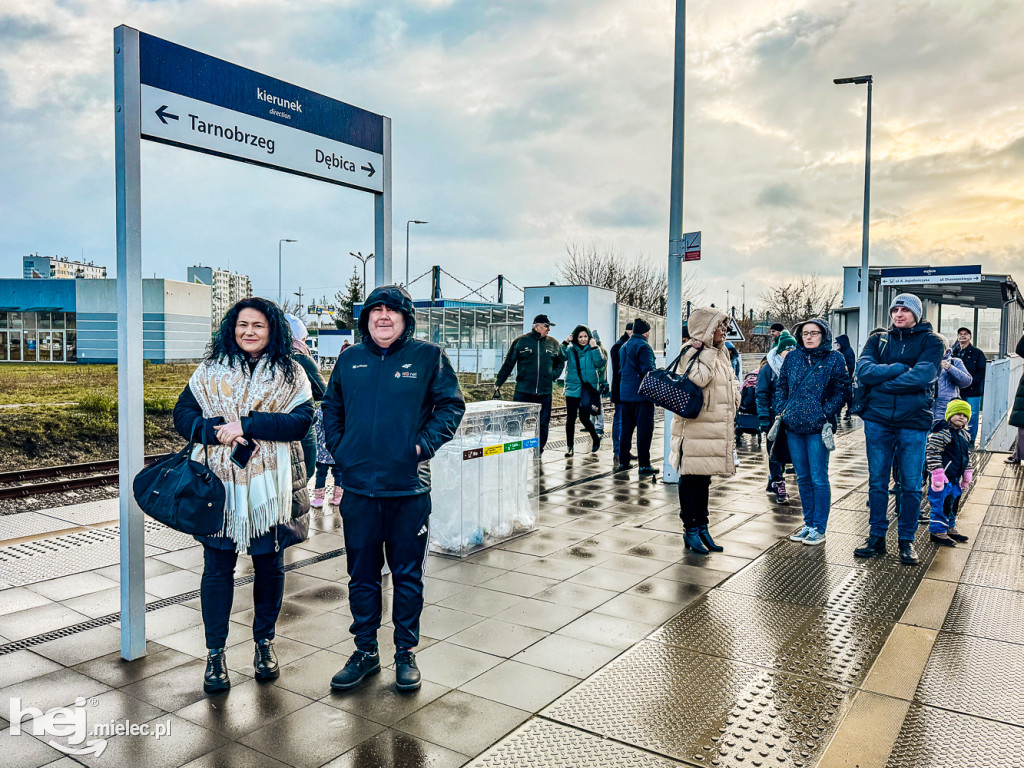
[485, 483]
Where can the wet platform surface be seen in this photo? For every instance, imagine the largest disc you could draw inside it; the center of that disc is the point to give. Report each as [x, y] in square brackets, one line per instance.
[595, 641]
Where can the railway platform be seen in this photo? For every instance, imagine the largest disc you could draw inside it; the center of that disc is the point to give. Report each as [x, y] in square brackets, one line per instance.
[595, 641]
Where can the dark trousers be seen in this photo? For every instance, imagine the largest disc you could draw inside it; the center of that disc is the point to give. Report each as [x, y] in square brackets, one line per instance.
[572, 409]
[395, 527]
[321, 474]
[545, 412]
[217, 590]
[693, 499]
[639, 417]
[775, 467]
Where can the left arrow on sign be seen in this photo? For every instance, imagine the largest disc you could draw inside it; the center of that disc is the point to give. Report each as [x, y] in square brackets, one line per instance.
[162, 113]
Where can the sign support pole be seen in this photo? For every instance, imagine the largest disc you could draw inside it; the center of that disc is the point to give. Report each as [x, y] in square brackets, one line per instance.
[130, 426]
[382, 218]
[676, 247]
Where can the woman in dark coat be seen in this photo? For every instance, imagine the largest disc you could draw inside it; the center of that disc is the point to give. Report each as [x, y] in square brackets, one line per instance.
[249, 395]
[812, 387]
[1017, 413]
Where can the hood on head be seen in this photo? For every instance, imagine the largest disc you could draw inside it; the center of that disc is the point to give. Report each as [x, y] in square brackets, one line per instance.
[826, 333]
[702, 323]
[394, 296]
[843, 341]
[576, 332]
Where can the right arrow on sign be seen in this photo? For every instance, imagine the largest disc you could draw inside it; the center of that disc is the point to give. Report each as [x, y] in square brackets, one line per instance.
[162, 113]
[369, 167]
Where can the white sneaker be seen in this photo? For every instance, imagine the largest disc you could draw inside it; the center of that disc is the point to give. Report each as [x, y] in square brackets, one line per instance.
[814, 538]
[801, 534]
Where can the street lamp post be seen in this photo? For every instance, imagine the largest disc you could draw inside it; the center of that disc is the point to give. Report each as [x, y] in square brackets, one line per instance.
[864, 276]
[411, 221]
[362, 259]
[280, 292]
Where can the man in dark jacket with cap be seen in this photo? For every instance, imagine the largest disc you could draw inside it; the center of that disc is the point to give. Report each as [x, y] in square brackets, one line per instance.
[538, 360]
[616, 381]
[897, 371]
[636, 359]
[391, 403]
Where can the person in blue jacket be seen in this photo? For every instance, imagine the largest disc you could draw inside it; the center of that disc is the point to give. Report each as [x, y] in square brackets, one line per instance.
[583, 357]
[391, 403]
[897, 371]
[767, 379]
[812, 388]
[636, 359]
[250, 392]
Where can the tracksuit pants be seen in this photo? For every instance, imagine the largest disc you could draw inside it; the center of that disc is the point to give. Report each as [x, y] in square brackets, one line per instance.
[638, 417]
[945, 504]
[395, 528]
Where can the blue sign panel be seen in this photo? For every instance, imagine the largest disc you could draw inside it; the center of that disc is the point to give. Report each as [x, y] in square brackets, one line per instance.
[931, 271]
[174, 68]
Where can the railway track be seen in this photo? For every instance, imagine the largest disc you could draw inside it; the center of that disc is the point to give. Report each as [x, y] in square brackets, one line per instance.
[20, 483]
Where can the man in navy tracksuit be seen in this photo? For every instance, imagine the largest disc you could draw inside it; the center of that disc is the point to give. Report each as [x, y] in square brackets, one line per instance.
[391, 403]
[636, 359]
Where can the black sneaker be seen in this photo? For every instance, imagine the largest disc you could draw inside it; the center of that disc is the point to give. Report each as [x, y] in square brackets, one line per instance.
[597, 444]
[942, 539]
[955, 536]
[647, 471]
[908, 552]
[360, 666]
[215, 679]
[407, 674]
[264, 661]
[874, 546]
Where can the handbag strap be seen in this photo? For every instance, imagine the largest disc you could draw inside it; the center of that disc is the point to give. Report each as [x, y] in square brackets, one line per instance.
[800, 385]
[197, 426]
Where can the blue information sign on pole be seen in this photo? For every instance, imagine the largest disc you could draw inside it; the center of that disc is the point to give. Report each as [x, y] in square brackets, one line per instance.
[203, 103]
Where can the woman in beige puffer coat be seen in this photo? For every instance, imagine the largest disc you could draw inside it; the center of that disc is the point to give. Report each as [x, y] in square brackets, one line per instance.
[703, 446]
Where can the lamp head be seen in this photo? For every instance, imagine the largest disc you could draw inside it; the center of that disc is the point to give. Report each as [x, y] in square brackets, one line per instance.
[859, 80]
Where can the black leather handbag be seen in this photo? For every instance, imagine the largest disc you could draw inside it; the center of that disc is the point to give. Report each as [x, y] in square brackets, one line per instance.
[673, 391]
[181, 493]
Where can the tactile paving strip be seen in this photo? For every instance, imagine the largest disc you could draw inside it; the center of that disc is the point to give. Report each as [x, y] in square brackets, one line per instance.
[975, 675]
[540, 742]
[1009, 541]
[89, 513]
[1013, 482]
[1008, 498]
[939, 739]
[1005, 517]
[704, 709]
[993, 569]
[61, 556]
[793, 638]
[878, 594]
[29, 524]
[997, 614]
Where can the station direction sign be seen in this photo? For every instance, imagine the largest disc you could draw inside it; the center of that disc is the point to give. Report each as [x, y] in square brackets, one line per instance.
[931, 275]
[199, 102]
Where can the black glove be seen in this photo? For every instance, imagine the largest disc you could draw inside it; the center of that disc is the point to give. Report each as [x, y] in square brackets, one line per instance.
[497, 393]
[764, 424]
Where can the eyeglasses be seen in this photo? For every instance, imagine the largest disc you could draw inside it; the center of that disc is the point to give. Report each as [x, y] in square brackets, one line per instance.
[808, 334]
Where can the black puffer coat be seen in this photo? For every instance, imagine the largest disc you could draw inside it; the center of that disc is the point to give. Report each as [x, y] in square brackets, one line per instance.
[1017, 412]
[813, 384]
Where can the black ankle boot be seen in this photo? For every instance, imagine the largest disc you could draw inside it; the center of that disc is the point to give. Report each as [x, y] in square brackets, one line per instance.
[407, 674]
[570, 452]
[361, 665]
[264, 661]
[692, 540]
[707, 541]
[873, 547]
[215, 679]
[908, 552]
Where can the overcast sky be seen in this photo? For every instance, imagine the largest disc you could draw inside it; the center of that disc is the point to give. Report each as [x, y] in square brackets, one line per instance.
[520, 125]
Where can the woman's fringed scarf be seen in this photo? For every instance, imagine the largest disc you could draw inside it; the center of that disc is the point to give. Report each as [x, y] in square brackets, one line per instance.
[258, 497]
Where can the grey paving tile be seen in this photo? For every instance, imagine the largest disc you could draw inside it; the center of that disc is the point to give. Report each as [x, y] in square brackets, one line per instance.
[234, 755]
[607, 630]
[24, 665]
[576, 595]
[567, 655]
[81, 646]
[394, 749]
[38, 620]
[67, 587]
[186, 742]
[462, 722]
[497, 638]
[312, 735]
[243, 709]
[59, 688]
[378, 700]
[521, 584]
[452, 665]
[520, 685]
[116, 671]
[482, 601]
[539, 614]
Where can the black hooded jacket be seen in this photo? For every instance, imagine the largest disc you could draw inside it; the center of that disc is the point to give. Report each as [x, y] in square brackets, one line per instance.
[843, 342]
[617, 366]
[897, 371]
[813, 383]
[382, 403]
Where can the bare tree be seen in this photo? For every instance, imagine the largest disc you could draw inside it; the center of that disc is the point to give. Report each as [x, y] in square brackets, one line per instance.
[635, 279]
[799, 299]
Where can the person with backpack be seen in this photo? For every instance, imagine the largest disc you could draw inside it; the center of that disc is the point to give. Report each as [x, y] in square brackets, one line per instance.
[767, 380]
[813, 385]
[701, 447]
[582, 385]
[898, 369]
[850, 357]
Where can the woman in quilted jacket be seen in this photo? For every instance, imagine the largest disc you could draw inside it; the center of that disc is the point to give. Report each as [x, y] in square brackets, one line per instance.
[812, 388]
[703, 446]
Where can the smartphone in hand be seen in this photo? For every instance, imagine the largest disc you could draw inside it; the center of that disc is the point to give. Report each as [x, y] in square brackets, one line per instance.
[242, 453]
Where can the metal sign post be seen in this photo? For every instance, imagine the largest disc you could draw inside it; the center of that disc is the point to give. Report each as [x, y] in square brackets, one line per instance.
[174, 95]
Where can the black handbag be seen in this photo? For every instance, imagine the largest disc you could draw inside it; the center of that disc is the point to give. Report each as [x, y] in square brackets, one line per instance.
[590, 398]
[181, 493]
[672, 391]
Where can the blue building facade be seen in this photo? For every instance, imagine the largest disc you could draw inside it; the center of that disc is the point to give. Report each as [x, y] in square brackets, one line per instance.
[75, 321]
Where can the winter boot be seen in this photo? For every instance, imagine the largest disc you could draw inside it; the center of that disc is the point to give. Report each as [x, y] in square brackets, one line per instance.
[318, 498]
[955, 535]
[942, 539]
[873, 547]
[264, 661]
[780, 492]
[360, 666]
[692, 541]
[336, 497]
[407, 674]
[707, 541]
[908, 552]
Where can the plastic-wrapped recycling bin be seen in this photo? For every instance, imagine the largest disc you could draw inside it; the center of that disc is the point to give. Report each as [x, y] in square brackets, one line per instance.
[485, 483]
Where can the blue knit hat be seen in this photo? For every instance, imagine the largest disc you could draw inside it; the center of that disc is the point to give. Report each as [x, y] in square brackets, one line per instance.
[911, 302]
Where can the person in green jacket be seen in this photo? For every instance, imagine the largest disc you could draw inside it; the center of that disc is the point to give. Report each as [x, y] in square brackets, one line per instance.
[584, 362]
[539, 361]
